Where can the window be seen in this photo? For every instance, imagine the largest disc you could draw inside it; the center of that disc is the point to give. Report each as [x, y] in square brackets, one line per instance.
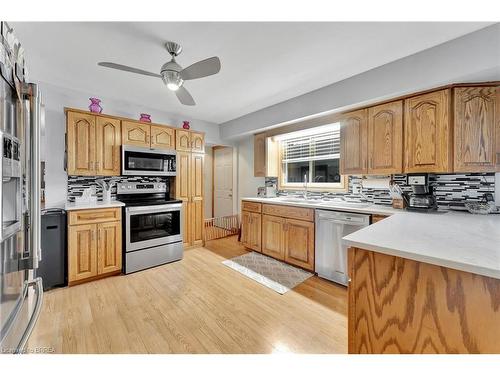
[311, 155]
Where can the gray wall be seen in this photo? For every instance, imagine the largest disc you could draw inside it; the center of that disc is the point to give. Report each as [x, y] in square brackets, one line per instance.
[52, 148]
[473, 57]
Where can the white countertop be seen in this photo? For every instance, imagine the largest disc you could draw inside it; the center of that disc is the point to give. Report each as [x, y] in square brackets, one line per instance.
[70, 206]
[455, 240]
[311, 203]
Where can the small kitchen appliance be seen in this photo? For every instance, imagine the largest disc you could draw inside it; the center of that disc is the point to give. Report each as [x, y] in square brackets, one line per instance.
[421, 198]
[142, 161]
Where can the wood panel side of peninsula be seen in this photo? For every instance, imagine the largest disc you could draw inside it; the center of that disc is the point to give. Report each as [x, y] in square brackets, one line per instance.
[398, 305]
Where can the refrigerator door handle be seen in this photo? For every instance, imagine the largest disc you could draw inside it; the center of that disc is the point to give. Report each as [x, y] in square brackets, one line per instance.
[32, 93]
[37, 283]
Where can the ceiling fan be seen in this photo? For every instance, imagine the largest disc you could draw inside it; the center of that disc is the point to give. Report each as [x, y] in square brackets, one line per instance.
[172, 73]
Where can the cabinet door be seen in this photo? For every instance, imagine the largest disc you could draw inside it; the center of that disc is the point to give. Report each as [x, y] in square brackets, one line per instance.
[255, 235]
[80, 133]
[182, 140]
[136, 134]
[427, 133]
[108, 141]
[197, 142]
[246, 227]
[259, 155]
[82, 252]
[475, 122]
[183, 192]
[385, 138]
[162, 137]
[109, 251]
[299, 243]
[273, 237]
[353, 143]
[196, 188]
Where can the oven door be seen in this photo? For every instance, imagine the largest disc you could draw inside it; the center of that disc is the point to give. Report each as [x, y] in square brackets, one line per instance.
[140, 161]
[150, 226]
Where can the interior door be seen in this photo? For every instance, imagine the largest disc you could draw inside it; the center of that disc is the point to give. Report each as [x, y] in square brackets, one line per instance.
[223, 181]
[108, 142]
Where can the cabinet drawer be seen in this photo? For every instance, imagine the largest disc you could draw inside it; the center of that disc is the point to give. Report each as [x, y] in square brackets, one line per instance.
[94, 216]
[289, 211]
[251, 206]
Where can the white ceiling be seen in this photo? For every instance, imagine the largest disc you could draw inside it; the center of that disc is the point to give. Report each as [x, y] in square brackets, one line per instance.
[262, 63]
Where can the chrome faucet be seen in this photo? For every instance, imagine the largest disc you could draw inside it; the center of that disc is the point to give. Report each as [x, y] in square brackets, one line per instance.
[305, 185]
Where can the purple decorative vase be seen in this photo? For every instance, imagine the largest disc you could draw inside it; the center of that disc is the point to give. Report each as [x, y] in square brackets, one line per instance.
[185, 125]
[145, 117]
[94, 105]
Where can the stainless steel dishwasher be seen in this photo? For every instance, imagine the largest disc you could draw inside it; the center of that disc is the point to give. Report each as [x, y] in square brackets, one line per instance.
[330, 252]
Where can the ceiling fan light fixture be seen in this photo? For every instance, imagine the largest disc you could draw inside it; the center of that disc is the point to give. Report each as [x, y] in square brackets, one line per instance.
[172, 79]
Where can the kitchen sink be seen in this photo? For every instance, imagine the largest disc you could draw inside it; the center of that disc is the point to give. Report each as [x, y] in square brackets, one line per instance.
[296, 200]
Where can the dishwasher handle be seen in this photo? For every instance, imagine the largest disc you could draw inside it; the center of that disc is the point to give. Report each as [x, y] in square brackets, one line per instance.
[342, 218]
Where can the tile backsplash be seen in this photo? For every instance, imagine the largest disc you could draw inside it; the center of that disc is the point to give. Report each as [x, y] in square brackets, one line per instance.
[76, 184]
[452, 191]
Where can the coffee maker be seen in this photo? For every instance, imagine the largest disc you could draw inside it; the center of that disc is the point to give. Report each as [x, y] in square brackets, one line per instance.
[421, 198]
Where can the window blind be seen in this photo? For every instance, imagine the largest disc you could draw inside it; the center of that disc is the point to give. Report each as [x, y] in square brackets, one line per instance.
[312, 147]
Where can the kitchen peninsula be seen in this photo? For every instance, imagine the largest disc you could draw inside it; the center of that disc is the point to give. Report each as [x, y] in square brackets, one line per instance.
[421, 284]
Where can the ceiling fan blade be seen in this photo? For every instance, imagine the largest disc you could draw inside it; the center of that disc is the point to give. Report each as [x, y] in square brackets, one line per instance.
[128, 69]
[184, 96]
[201, 69]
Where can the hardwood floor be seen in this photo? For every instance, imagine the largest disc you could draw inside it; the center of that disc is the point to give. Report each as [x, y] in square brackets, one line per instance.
[196, 305]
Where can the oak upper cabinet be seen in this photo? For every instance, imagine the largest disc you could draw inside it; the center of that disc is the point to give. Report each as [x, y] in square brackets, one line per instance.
[476, 127]
[162, 137]
[187, 140]
[385, 138]
[299, 243]
[265, 159]
[82, 252]
[136, 134]
[251, 227]
[108, 142]
[427, 130]
[80, 143]
[94, 243]
[353, 142]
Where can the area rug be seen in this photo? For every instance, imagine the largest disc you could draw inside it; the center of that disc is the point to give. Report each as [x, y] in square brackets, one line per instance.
[267, 271]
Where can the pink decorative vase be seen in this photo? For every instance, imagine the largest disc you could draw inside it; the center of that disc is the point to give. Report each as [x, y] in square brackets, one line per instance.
[94, 105]
[145, 117]
[185, 125]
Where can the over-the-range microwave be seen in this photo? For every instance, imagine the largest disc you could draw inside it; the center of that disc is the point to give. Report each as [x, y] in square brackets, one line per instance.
[142, 161]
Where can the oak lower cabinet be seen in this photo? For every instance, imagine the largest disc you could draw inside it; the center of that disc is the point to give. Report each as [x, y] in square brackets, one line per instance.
[427, 133]
[94, 244]
[251, 229]
[476, 129]
[282, 232]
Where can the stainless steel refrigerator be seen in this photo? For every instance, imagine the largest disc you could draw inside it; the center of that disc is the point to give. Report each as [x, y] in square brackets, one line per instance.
[21, 292]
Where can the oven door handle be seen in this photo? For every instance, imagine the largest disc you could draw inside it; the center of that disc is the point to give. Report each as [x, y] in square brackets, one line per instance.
[160, 208]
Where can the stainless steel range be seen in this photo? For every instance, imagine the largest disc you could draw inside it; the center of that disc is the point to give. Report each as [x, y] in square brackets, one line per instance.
[152, 227]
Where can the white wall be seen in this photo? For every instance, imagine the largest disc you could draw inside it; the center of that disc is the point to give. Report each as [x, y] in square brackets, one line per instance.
[208, 175]
[56, 98]
[473, 57]
[247, 183]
